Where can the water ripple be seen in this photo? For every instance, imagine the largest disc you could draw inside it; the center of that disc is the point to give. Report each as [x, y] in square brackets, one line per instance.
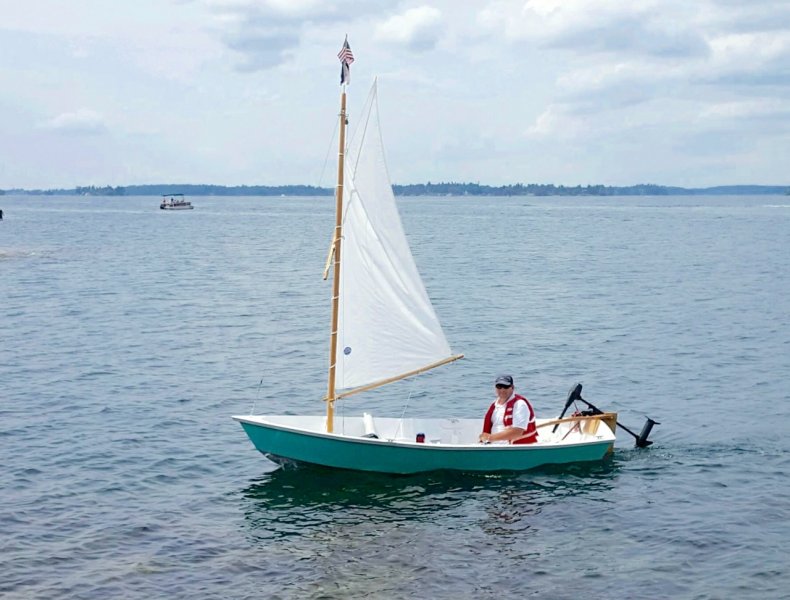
[129, 337]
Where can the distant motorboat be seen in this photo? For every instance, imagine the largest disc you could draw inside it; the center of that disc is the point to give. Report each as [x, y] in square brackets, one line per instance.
[175, 202]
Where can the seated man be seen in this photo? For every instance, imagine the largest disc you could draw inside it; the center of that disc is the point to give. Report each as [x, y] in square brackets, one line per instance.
[510, 418]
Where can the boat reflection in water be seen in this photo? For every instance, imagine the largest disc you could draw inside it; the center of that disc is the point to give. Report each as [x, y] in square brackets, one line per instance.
[287, 499]
[349, 533]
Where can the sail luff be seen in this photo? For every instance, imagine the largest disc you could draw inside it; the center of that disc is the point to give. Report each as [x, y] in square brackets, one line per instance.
[338, 234]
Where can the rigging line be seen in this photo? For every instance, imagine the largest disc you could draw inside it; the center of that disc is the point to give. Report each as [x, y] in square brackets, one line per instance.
[372, 97]
[342, 417]
[255, 401]
[405, 407]
[370, 103]
[328, 151]
[383, 149]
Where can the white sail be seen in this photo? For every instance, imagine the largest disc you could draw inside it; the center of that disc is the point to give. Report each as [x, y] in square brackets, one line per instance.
[387, 325]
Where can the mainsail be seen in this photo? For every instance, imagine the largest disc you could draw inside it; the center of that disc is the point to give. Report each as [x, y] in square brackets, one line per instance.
[387, 325]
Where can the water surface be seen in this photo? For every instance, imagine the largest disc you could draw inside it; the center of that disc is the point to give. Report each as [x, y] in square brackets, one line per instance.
[130, 335]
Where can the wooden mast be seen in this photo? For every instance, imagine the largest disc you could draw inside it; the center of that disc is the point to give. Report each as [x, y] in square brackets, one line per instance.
[331, 395]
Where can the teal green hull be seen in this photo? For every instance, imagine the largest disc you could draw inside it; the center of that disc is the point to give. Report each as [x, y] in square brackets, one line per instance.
[380, 456]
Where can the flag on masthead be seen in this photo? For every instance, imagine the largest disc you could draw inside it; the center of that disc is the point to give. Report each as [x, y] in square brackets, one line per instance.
[346, 58]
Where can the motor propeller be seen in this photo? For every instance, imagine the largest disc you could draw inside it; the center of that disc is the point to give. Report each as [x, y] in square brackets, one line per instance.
[575, 395]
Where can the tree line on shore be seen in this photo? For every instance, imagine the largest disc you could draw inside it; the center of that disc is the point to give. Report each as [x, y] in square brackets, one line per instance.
[419, 189]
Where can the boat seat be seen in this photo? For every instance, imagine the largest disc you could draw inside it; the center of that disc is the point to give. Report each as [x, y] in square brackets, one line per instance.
[591, 427]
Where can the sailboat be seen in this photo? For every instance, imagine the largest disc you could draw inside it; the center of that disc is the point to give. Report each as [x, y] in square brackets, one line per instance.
[385, 329]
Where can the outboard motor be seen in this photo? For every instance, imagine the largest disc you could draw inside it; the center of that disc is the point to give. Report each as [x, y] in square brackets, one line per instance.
[576, 395]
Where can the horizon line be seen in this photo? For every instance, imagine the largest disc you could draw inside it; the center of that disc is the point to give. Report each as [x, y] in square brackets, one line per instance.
[471, 185]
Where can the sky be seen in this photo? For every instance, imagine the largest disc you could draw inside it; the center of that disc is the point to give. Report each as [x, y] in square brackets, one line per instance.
[246, 92]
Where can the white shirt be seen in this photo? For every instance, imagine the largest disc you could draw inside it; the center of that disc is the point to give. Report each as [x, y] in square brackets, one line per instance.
[520, 415]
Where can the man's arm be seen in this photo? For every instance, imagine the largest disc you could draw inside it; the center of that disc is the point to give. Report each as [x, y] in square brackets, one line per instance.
[506, 435]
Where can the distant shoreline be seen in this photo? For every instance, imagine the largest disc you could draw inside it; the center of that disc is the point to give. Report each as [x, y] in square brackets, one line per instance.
[420, 189]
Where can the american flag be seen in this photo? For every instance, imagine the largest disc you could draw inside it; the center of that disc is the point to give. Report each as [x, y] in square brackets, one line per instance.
[346, 58]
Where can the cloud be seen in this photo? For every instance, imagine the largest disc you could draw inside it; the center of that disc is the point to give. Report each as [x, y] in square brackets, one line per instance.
[264, 34]
[81, 122]
[556, 122]
[268, 33]
[418, 29]
[263, 47]
[645, 55]
[606, 26]
[771, 109]
[276, 10]
[750, 58]
[744, 17]
[634, 35]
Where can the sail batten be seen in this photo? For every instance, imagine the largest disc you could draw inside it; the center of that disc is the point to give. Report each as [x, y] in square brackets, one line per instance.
[387, 324]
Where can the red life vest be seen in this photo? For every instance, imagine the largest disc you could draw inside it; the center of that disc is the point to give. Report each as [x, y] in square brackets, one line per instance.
[530, 433]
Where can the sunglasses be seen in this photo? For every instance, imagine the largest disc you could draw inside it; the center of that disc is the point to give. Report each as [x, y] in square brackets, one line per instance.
[502, 386]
